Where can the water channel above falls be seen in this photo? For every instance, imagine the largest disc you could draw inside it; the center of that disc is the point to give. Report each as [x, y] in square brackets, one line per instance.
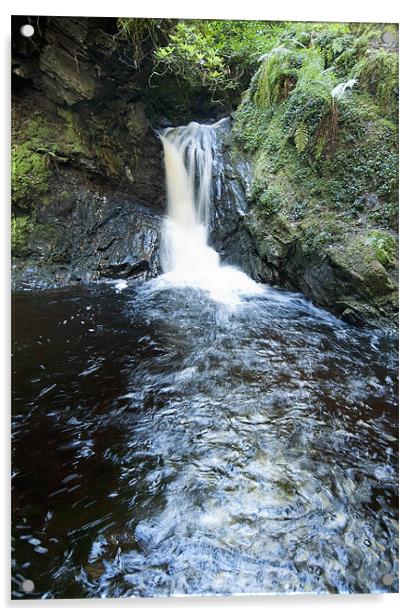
[199, 434]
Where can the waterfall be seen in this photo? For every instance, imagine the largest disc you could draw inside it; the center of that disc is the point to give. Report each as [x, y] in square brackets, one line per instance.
[188, 164]
[187, 259]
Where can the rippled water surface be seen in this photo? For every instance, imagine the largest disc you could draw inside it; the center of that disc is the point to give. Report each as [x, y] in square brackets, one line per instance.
[164, 444]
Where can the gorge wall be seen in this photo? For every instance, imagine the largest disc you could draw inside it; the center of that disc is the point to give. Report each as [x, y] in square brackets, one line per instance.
[87, 168]
[339, 262]
[88, 189]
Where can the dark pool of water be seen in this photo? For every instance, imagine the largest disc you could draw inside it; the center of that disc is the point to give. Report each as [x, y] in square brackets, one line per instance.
[165, 445]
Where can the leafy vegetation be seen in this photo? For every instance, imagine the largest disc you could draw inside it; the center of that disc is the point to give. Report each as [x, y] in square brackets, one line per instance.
[216, 55]
[284, 69]
[320, 124]
[384, 246]
[142, 36]
[313, 146]
[378, 72]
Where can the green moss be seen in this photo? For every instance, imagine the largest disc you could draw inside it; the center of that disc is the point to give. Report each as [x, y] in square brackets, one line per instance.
[251, 125]
[44, 135]
[30, 174]
[320, 229]
[40, 144]
[327, 168]
[111, 162]
[73, 142]
[339, 150]
[347, 162]
[20, 229]
[36, 151]
[365, 162]
[358, 258]
[378, 72]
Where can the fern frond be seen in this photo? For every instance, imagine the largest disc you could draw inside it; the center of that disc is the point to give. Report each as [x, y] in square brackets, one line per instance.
[301, 137]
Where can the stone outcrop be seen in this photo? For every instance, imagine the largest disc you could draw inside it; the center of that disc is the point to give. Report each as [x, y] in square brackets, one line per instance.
[88, 234]
[87, 165]
[346, 279]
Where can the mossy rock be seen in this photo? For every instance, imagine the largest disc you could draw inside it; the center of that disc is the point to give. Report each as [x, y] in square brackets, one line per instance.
[73, 141]
[273, 235]
[21, 228]
[111, 162]
[30, 175]
[358, 259]
[41, 143]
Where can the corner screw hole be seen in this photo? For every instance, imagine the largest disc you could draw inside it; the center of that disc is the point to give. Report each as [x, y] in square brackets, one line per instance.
[28, 586]
[387, 579]
[27, 30]
[388, 38]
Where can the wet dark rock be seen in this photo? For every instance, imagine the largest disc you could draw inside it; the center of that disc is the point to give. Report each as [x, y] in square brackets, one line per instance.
[95, 212]
[91, 234]
[231, 183]
[370, 200]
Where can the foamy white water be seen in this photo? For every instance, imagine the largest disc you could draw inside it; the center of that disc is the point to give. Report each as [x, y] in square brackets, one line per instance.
[187, 258]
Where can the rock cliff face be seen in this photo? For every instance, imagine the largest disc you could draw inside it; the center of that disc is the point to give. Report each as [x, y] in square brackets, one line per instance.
[86, 233]
[88, 188]
[346, 277]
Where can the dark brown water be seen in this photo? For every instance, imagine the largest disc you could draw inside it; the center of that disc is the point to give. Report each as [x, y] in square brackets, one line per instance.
[163, 444]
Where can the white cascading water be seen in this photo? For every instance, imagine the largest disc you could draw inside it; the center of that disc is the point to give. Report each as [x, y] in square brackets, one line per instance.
[187, 259]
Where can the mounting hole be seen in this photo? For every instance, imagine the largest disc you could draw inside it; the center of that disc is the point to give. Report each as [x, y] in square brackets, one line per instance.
[387, 579]
[388, 38]
[27, 30]
[28, 586]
